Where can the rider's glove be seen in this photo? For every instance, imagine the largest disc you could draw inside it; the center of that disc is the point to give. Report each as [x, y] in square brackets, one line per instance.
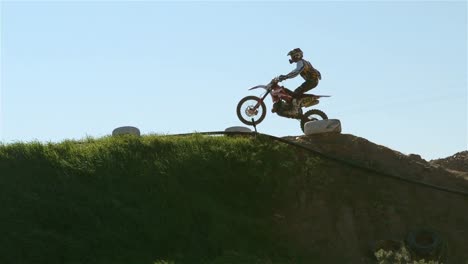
[282, 78]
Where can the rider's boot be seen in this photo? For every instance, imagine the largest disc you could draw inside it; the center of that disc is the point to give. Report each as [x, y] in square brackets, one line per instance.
[274, 109]
[295, 104]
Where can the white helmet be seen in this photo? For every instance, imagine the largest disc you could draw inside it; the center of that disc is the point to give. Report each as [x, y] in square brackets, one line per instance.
[296, 55]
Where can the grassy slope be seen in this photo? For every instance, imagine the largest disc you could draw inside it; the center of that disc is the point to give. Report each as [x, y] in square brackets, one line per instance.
[138, 200]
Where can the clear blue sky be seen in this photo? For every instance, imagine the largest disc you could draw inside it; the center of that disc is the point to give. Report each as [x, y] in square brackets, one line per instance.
[396, 70]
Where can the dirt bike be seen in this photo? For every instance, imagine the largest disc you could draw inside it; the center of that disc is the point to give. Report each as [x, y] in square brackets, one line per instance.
[251, 110]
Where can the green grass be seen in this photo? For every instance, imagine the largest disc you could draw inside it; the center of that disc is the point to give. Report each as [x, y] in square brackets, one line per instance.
[152, 199]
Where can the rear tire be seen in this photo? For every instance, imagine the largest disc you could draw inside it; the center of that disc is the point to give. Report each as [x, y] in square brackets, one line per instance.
[312, 115]
[244, 104]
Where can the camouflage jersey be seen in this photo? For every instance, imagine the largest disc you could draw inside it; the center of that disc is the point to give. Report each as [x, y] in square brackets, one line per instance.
[307, 71]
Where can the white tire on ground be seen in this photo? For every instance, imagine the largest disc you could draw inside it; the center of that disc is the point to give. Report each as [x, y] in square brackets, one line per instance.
[126, 130]
[322, 126]
[238, 129]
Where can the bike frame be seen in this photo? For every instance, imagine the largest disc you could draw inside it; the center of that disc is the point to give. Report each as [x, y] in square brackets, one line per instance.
[277, 92]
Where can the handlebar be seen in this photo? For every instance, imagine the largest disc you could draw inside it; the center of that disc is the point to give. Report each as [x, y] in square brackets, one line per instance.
[275, 80]
[268, 86]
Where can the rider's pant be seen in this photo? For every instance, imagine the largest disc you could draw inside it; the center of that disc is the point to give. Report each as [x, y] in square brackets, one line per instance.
[306, 86]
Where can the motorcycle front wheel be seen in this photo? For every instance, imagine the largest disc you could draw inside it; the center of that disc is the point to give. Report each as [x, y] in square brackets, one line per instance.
[251, 108]
[312, 115]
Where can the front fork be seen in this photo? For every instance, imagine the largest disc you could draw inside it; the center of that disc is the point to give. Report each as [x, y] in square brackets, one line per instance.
[259, 102]
[262, 99]
[254, 110]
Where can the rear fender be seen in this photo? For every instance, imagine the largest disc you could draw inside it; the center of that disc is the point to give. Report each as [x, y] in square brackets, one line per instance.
[314, 96]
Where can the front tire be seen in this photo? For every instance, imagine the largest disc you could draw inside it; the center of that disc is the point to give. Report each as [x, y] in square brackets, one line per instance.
[312, 115]
[246, 110]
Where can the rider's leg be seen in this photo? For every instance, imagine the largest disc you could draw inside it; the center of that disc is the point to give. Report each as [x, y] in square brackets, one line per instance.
[276, 107]
[306, 86]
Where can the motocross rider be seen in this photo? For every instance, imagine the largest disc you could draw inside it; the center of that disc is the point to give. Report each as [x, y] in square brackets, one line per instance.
[306, 70]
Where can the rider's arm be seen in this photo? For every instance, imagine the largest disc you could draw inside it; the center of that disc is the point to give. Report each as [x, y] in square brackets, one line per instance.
[295, 72]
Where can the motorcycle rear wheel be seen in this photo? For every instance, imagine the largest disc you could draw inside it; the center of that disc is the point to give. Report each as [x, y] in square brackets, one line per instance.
[246, 110]
[312, 115]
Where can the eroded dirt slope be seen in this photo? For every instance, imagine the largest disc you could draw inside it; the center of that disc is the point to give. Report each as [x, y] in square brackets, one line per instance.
[343, 208]
[449, 172]
[457, 162]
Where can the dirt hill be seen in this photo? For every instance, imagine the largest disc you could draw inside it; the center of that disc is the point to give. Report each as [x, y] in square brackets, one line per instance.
[457, 162]
[449, 172]
[357, 205]
[206, 199]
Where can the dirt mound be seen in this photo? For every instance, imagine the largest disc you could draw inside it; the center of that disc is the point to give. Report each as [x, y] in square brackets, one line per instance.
[360, 151]
[351, 202]
[458, 162]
